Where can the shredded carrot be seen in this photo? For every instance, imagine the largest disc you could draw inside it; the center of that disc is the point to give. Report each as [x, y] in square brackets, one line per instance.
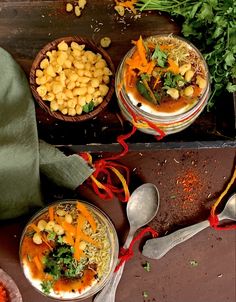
[156, 82]
[80, 224]
[83, 210]
[34, 227]
[69, 228]
[173, 66]
[196, 91]
[150, 67]
[51, 213]
[38, 263]
[128, 4]
[44, 239]
[141, 50]
[69, 239]
[165, 47]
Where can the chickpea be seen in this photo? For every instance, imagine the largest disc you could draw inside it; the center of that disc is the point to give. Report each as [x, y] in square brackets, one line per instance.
[81, 100]
[37, 238]
[58, 229]
[42, 90]
[95, 83]
[71, 85]
[71, 112]
[69, 7]
[82, 245]
[68, 217]
[44, 63]
[98, 73]
[173, 92]
[201, 82]
[188, 91]
[62, 46]
[77, 11]
[183, 68]
[100, 64]
[41, 224]
[103, 89]
[61, 212]
[78, 109]
[120, 10]
[79, 65]
[105, 42]
[57, 87]
[64, 111]
[54, 105]
[39, 73]
[189, 75]
[107, 71]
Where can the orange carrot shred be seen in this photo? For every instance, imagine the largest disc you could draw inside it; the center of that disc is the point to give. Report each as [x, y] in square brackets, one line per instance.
[38, 263]
[51, 213]
[173, 66]
[83, 210]
[34, 227]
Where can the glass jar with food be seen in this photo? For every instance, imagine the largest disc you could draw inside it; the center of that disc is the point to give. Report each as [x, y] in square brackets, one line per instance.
[162, 84]
[69, 250]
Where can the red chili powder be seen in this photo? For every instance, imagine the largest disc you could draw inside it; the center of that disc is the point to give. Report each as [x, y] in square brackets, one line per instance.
[189, 185]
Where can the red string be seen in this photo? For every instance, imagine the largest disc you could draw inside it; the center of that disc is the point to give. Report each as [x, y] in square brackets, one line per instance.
[127, 254]
[137, 118]
[214, 223]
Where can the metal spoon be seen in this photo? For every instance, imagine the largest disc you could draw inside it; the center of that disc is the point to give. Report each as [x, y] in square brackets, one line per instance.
[141, 209]
[157, 248]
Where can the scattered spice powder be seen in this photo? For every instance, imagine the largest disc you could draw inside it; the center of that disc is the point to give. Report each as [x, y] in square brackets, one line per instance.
[189, 184]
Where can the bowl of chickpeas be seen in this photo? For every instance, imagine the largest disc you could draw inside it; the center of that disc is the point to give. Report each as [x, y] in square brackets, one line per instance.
[72, 79]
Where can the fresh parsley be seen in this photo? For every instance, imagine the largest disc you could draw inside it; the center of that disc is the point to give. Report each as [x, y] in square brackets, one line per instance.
[61, 263]
[46, 286]
[171, 80]
[160, 56]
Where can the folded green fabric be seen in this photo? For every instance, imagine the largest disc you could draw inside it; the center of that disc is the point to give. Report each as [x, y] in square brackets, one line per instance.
[22, 156]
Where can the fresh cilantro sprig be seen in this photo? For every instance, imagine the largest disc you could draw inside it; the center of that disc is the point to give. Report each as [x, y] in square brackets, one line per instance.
[160, 56]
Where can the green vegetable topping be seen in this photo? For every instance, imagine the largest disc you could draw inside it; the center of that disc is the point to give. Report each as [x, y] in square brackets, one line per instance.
[145, 294]
[46, 286]
[88, 107]
[160, 56]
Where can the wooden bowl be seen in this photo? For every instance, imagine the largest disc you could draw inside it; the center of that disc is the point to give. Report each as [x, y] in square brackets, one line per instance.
[89, 45]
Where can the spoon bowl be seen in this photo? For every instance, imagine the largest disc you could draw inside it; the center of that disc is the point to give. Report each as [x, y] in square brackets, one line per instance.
[142, 207]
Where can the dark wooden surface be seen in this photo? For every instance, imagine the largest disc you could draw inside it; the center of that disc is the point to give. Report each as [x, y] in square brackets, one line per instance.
[208, 147]
[172, 278]
[26, 26]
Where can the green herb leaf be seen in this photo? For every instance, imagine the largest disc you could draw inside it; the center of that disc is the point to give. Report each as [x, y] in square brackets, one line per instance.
[47, 286]
[145, 294]
[147, 266]
[88, 107]
[160, 56]
[51, 236]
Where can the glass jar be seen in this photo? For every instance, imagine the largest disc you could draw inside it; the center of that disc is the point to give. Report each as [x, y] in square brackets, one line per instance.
[153, 121]
[106, 254]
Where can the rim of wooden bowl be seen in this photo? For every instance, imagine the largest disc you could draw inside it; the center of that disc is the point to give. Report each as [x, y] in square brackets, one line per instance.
[89, 45]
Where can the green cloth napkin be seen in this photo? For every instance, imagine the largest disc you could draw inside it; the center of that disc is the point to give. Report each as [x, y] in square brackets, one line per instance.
[22, 155]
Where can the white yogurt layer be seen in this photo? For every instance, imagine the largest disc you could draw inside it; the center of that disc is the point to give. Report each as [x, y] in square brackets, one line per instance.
[59, 295]
[150, 110]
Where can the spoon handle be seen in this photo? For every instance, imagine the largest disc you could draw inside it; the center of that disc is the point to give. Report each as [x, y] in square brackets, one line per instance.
[108, 293]
[158, 247]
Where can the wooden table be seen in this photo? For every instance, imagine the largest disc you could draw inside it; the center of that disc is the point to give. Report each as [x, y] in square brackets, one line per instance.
[203, 268]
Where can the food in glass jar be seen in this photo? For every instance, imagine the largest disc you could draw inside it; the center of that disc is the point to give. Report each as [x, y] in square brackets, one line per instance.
[67, 250]
[164, 75]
